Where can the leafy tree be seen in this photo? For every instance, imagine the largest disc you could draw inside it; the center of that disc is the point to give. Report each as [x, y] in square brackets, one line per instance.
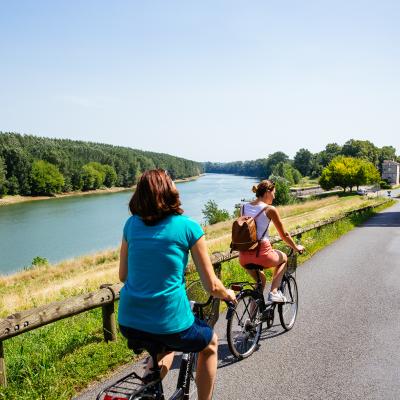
[361, 149]
[45, 178]
[110, 177]
[302, 161]
[296, 175]
[331, 151]
[212, 214]
[3, 181]
[386, 153]
[285, 170]
[76, 180]
[91, 177]
[274, 159]
[367, 173]
[12, 185]
[348, 172]
[282, 191]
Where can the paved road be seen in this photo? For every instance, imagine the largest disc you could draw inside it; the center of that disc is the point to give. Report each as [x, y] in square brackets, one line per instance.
[346, 341]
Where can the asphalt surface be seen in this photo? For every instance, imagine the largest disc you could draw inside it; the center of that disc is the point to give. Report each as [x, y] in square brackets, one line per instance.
[346, 341]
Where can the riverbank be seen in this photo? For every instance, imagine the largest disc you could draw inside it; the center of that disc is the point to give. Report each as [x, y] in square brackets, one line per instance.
[17, 199]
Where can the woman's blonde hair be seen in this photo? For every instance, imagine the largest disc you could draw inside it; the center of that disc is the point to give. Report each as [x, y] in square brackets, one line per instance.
[262, 187]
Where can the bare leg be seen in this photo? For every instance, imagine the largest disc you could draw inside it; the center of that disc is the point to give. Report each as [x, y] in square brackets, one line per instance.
[207, 369]
[253, 274]
[164, 361]
[278, 271]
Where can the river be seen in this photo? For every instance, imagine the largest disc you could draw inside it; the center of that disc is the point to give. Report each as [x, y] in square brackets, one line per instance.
[63, 228]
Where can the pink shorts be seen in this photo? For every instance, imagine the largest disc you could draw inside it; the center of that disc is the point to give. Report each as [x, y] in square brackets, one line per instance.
[267, 256]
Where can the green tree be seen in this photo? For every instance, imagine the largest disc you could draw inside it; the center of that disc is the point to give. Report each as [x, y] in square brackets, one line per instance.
[283, 170]
[45, 178]
[91, 177]
[3, 181]
[212, 214]
[110, 176]
[348, 172]
[331, 151]
[361, 149]
[282, 191]
[12, 185]
[287, 171]
[274, 159]
[302, 161]
[386, 153]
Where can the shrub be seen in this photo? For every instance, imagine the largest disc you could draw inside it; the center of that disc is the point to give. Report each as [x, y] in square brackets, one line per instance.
[282, 191]
[212, 214]
[37, 262]
[384, 184]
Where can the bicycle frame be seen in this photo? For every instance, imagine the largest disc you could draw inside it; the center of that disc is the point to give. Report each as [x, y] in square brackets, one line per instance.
[154, 389]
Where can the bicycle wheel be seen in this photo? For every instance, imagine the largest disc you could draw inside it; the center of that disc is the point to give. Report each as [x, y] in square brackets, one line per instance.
[244, 326]
[191, 388]
[288, 311]
[269, 318]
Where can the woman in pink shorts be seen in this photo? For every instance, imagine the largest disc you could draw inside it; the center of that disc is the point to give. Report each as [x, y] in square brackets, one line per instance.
[267, 256]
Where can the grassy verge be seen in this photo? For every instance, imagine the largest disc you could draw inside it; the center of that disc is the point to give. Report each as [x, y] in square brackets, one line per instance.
[59, 360]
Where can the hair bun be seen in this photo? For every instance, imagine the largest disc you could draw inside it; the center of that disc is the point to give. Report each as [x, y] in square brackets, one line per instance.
[254, 189]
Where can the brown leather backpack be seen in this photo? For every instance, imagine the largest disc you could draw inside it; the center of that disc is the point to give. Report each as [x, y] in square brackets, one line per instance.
[244, 232]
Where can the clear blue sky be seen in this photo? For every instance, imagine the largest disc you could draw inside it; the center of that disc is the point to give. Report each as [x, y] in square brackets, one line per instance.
[206, 80]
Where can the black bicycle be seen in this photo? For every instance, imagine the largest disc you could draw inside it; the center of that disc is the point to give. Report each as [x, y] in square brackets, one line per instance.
[245, 320]
[134, 387]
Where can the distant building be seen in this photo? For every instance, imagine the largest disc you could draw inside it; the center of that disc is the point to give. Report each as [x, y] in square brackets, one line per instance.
[391, 171]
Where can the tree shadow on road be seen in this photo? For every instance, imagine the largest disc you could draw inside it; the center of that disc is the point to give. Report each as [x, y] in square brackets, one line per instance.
[384, 220]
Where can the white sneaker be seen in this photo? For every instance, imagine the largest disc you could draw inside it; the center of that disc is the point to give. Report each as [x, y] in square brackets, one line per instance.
[277, 297]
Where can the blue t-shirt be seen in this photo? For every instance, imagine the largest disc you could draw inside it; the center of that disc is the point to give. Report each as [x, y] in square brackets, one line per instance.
[153, 298]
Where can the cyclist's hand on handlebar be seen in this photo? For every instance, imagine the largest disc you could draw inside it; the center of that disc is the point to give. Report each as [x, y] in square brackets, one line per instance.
[300, 248]
[231, 296]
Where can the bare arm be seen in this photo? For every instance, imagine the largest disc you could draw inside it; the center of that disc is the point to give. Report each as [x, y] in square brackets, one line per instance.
[123, 261]
[274, 216]
[206, 271]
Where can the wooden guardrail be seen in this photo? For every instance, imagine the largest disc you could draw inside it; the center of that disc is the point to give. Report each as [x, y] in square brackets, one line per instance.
[24, 321]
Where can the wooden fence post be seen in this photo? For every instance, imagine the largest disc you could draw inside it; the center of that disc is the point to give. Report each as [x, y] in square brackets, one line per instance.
[3, 376]
[109, 323]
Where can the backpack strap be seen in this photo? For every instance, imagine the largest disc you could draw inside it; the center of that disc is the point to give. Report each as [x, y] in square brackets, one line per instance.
[266, 229]
[264, 209]
[260, 212]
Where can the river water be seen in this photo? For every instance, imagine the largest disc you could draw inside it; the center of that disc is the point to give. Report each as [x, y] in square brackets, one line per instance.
[63, 228]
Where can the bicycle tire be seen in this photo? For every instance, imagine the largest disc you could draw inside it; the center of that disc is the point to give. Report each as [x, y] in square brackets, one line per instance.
[244, 326]
[270, 318]
[191, 389]
[288, 311]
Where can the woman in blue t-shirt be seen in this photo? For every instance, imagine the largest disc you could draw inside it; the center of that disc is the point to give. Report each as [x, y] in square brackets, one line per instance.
[154, 253]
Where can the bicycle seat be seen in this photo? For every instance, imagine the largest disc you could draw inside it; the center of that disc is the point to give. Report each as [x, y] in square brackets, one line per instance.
[139, 345]
[254, 267]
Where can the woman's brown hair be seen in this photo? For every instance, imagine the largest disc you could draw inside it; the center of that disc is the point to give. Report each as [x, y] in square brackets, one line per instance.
[155, 197]
[262, 187]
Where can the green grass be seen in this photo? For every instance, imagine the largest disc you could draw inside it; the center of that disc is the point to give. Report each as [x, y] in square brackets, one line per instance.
[61, 359]
[55, 361]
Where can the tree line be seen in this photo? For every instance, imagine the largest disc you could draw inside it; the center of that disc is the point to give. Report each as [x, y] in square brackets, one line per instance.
[32, 165]
[357, 162]
[307, 163]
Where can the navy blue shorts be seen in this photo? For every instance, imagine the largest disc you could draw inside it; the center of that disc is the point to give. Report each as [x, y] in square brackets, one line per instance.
[191, 340]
